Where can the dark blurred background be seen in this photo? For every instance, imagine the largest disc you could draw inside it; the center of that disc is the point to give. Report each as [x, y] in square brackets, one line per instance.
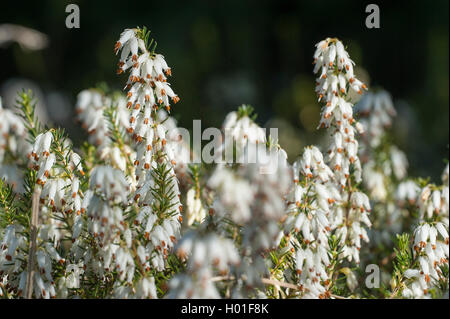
[225, 53]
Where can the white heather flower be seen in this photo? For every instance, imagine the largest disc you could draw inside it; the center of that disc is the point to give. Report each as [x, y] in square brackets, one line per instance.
[90, 107]
[377, 111]
[195, 210]
[374, 181]
[73, 271]
[75, 161]
[110, 182]
[243, 129]
[237, 194]
[352, 281]
[399, 163]
[433, 201]
[445, 175]
[407, 191]
[179, 149]
[12, 140]
[146, 288]
[203, 253]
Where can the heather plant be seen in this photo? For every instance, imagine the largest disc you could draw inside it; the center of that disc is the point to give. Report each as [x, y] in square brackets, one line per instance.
[130, 213]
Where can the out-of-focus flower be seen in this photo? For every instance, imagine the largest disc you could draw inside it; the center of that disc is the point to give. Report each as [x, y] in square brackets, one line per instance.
[27, 38]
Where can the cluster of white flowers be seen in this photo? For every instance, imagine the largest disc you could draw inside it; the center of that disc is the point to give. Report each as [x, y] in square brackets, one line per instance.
[90, 107]
[177, 146]
[157, 194]
[334, 84]
[57, 177]
[13, 268]
[308, 224]
[110, 220]
[337, 68]
[431, 241]
[12, 139]
[110, 234]
[377, 111]
[432, 201]
[147, 90]
[147, 82]
[384, 166]
[125, 225]
[407, 192]
[252, 196]
[240, 130]
[206, 254]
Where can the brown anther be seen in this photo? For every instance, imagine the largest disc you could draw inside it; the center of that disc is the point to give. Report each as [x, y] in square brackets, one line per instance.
[117, 46]
[175, 99]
